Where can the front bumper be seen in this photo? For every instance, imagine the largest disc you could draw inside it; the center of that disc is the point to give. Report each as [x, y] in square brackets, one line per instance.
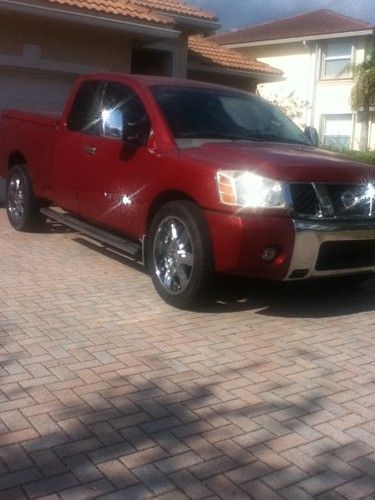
[332, 248]
[308, 248]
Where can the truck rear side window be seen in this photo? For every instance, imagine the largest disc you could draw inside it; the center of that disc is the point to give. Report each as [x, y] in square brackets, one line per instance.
[108, 109]
[83, 114]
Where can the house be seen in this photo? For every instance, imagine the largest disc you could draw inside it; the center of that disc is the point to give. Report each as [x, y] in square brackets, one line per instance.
[314, 51]
[208, 61]
[46, 44]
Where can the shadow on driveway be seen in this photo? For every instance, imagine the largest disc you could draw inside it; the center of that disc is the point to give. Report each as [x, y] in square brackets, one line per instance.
[307, 299]
[143, 435]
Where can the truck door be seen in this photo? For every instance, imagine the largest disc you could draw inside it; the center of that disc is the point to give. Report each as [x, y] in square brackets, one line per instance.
[71, 148]
[111, 174]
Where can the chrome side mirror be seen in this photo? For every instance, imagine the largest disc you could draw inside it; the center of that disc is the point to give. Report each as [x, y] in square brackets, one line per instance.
[312, 134]
[112, 120]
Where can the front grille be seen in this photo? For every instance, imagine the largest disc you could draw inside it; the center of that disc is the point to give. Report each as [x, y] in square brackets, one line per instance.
[333, 201]
[349, 200]
[304, 199]
[335, 255]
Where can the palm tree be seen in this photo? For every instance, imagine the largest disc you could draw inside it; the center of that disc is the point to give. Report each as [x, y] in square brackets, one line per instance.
[363, 94]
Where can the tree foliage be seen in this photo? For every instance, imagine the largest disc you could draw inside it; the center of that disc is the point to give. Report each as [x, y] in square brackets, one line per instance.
[363, 92]
[291, 104]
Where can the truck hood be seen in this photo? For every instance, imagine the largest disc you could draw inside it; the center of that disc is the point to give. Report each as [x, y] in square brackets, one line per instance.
[284, 162]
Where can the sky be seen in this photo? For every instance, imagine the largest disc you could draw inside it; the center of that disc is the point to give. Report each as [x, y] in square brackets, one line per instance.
[240, 13]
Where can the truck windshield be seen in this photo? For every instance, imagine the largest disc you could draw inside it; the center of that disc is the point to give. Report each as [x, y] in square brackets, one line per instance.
[208, 113]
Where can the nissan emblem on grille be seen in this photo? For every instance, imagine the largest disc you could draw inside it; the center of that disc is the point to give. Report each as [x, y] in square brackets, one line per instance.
[366, 196]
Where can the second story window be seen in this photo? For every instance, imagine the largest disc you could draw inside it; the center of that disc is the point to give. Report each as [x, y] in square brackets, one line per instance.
[336, 58]
[337, 131]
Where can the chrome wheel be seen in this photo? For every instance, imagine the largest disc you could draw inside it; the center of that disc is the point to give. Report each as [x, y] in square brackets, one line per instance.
[173, 255]
[22, 206]
[16, 198]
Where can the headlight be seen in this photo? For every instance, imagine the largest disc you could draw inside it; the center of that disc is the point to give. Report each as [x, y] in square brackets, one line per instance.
[249, 190]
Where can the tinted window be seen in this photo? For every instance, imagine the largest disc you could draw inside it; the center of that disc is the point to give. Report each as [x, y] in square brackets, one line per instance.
[212, 114]
[122, 113]
[109, 109]
[83, 114]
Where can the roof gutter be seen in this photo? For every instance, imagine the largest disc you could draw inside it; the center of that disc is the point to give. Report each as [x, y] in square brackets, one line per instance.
[195, 22]
[349, 34]
[91, 19]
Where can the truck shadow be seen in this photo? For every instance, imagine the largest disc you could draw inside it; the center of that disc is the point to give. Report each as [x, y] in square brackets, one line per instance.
[111, 253]
[304, 299]
[314, 298]
[55, 228]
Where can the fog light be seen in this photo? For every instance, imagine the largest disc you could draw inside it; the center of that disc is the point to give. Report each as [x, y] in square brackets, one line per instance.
[270, 253]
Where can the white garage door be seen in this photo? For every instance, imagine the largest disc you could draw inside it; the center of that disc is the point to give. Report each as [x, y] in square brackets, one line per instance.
[34, 91]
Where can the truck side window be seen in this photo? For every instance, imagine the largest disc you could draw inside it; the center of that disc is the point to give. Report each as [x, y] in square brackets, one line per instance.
[123, 114]
[85, 113]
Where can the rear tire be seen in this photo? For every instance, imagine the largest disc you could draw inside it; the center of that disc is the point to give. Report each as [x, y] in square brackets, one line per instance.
[179, 256]
[21, 204]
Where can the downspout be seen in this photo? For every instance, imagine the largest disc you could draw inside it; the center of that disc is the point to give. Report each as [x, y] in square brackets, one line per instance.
[314, 71]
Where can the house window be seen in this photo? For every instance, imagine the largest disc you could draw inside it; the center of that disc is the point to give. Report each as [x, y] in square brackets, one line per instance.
[337, 131]
[336, 58]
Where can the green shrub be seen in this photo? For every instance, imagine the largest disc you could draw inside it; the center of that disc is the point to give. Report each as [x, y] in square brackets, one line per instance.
[364, 156]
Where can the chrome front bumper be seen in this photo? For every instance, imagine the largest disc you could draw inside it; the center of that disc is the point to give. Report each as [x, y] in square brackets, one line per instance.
[310, 235]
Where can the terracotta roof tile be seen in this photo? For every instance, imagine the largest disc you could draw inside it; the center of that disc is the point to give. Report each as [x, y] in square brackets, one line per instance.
[318, 22]
[153, 11]
[118, 7]
[211, 53]
[176, 7]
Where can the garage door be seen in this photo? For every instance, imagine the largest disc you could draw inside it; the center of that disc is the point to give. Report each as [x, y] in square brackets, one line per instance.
[34, 91]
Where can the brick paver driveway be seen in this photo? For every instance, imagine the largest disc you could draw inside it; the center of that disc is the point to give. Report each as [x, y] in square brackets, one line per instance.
[106, 391]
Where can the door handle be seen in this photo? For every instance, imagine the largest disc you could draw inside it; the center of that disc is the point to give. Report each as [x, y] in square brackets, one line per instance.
[90, 150]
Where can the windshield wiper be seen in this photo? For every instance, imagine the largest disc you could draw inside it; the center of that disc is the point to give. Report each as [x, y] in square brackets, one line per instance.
[239, 137]
[212, 135]
[275, 138]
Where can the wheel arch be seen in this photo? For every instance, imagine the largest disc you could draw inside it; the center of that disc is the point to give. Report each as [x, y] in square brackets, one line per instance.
[164, 198]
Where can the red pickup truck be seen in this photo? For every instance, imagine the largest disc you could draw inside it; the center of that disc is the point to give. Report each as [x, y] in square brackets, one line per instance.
[192, 179]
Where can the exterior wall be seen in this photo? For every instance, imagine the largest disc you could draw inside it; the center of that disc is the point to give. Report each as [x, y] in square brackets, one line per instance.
[66, 43]
[297, 64]
[39, 62]
[302, 66]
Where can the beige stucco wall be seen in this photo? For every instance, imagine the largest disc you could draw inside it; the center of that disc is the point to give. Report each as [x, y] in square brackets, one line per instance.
[66, 43]
[301, 65]
[295, 61]
[39, 60]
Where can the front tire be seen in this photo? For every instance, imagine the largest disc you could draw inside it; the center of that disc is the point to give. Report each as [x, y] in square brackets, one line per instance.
[21, 204]
[179, 256]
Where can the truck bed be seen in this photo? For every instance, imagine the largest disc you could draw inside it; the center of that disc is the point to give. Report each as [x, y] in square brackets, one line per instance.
[47, 119]
[33, 134]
